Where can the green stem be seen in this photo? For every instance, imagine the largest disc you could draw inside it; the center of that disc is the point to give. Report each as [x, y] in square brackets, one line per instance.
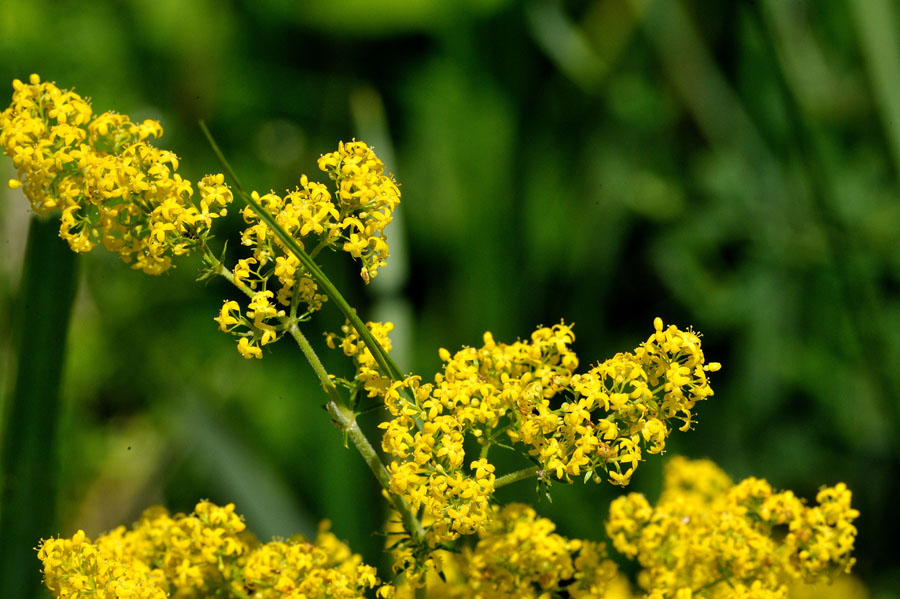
[422, 591]
[487, 439]
[484, 450]
[345, 420]
[222, 271]
[518, 475]
[322, 244]
[316, 364]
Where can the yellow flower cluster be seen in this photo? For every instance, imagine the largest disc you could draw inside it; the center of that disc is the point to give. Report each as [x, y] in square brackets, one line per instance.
[297, 569]
[111, 186]
[570, 424]
[194, 554]
[367, 199]
[262, 322]
[633, 397]
[353, 219]
[708, 538]
[428, 468]
[526, 393]
[519, 555]
[204, 554]
[76, 568]
[367, 374]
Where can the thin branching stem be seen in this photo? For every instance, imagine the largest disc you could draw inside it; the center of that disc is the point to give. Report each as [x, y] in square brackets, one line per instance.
[345, 419]
[315, 363]
[518, 475]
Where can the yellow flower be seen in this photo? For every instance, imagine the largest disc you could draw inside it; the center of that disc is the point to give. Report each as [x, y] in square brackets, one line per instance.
[226, 321]
[247, 349]
[242, 272]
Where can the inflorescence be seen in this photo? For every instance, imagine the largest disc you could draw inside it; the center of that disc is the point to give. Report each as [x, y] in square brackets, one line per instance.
[111, 186]
[352, 219]
[525, 397]
[207, 553]
[709, 538]
[706, 538]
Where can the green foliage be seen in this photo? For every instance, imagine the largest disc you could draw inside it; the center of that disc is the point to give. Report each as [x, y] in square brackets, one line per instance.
[733, 165]
[29, 443]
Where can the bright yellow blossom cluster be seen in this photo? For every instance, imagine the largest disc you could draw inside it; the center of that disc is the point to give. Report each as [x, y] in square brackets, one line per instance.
[708, 538]
[111, 186]
[575, 424]
[76, 568]
[427, 468]
[366, 200]
[524, 396]
[262, 322]
[368, 377]
[352, 219]
[204, 554]
[519, 554]
[297, 569]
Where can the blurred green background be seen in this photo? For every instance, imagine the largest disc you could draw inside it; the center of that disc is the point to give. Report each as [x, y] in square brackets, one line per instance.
[723, 164]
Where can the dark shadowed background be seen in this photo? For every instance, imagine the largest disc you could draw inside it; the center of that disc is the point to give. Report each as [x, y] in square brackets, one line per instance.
[727, 165]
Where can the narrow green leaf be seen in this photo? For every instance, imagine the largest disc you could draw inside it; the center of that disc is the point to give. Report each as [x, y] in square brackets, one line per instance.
[29, 442]
[879, 38]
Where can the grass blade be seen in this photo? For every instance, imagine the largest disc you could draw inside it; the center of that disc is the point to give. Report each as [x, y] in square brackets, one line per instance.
[28, 450]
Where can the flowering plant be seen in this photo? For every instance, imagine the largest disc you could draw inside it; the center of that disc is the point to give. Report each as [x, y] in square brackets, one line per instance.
[449, 536]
